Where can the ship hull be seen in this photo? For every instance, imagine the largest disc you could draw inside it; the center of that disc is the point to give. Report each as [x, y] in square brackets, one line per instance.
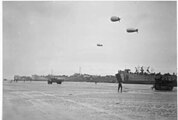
[137, 78]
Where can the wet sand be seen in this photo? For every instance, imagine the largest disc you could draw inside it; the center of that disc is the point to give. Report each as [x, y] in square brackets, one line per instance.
[86, 101]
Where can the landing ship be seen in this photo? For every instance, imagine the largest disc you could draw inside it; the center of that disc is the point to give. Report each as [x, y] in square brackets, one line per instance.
[136, 78]
[163, 82]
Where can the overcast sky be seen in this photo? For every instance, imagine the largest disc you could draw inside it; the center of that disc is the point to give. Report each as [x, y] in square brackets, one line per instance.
[61, 37]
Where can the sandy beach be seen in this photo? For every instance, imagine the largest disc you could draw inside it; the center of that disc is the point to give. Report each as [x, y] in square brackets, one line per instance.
[86, 101]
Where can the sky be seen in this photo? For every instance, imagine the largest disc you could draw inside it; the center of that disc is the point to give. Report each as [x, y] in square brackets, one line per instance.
[61, 38]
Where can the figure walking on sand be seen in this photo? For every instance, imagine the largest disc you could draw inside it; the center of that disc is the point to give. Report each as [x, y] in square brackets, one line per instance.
[119, 80]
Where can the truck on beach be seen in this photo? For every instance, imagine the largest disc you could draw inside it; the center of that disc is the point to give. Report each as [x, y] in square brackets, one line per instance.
[52, 79]
[165, 82]
[58, 81]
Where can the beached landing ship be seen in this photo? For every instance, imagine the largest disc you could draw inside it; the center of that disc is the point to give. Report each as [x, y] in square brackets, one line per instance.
[163, 82]
[136, 78]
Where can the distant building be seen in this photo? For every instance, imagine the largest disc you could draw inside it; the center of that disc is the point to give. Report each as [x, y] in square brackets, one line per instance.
[22, 78]
[39, 78]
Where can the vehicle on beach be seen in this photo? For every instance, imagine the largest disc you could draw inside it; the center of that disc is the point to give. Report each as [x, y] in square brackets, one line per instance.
[56, 80]
[164, 82]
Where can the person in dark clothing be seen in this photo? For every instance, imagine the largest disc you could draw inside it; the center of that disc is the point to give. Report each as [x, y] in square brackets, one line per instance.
[119, 80]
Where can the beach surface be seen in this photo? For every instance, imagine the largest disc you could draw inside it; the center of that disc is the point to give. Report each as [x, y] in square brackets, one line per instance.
[38, 100]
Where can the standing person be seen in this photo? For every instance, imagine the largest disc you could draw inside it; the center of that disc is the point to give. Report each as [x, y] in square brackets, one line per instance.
[119, 80]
